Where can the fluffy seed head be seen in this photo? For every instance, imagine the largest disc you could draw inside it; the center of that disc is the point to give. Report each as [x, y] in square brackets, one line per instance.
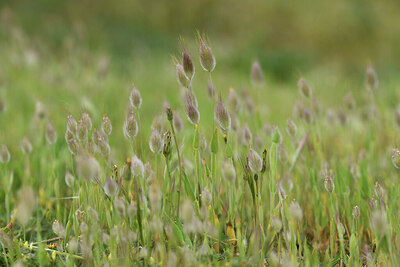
[104, 148]
[192, 112]
[137, 167]
[83, 130]
[87, 167]
[276, 224]
[183, 80]
[349, 101]
[222, 117]
[233, 101]
[378, 222]
[26, 205]
[40, 111]
[295, 211]
[304, 88]
[135, 98]
[58, 229]
[87, 120]
[72, 146]
[356, 212]
[257, 77]
[255, 161]
[106, 125]
[72, 125]
[157, 125]
[188, 65]
[51, 134]
[130, 127]
[247, 135]
[110, 187]
[156, 142]
[206, 197]
[69, 179]
[4, 154]
[207, 59]
[228, 171]
[291, 128]
[120, 206]
[371, 79]
[379, 190]
[329, 185]
[68, 135]
[396, 158]
[26, 146]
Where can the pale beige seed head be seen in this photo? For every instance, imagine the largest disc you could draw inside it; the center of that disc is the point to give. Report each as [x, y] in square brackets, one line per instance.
[137, 167]
[4, 154]
[131, 127]
[378, 222]
[135, 98]
[356, 212]
[40, 111]
[69, 179]
[255, 161]
[188, 65]
[72, 146]
[233, 101]
[87, 167]
[257, 77]
[295, 211]
[228, 171]
[291, 128]
[51, 134]
[26, 146]
[87, 120]
[82, 134]
[72, 125]
[396, 158]
[106, 125]
[181, 77]
[156, 142]
[222, 117]
[304, 88]
[110, 187]
[120, 206]
[207, 59]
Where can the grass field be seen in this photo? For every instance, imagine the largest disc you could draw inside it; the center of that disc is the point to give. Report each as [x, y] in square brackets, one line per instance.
[193, 161]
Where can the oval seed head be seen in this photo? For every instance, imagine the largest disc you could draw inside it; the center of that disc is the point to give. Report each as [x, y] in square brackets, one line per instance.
[371, 79]
[135, 98]
[137, 167]
[192, 112]
[68, 135]
[255, 161]
[247, 135]
[207, 59]
[206, 197]
[378, 222]
[106, 125]
[88, 167]
[58, 229]
[291, 128]
[147, 171]
[188, 65]
[170, 114]
[178, 124]
[228, 171]
[40, 111]
[130, 127]
[222, 117]
[157, 124]
[329, 185]
[69, 179]
[104, 148]
[4, 154]
[295, 211]
[120, 206]
[233, 101]
[51, 134]
[379, 190]
[87, 120]
[26, 146]
[276, 224]
[156, 142]
[396, 158]
[98, 136]
[349, 101]
[72, 125]
[72, 146]
[82, 134]
[167, 144]
[257, 77]
[356, 212]
[183, 80]
[110, 187]
[126, 172]
[304, 88]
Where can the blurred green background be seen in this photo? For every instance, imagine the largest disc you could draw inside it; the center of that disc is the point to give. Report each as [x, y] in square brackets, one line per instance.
[74, 55]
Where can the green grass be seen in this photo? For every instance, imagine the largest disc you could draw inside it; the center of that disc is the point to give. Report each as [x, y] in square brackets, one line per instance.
[206, 204]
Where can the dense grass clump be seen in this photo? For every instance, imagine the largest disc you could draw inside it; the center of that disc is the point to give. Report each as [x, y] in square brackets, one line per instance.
[222, 186]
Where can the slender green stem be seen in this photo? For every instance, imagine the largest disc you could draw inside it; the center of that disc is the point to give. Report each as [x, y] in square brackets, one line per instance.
[180, 166]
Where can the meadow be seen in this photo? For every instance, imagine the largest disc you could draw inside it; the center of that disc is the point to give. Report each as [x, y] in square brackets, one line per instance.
[190, 163]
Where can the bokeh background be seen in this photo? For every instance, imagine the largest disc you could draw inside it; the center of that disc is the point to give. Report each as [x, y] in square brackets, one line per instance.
[84, 55]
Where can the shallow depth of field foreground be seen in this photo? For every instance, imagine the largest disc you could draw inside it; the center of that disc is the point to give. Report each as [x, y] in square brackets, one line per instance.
[196, 155]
